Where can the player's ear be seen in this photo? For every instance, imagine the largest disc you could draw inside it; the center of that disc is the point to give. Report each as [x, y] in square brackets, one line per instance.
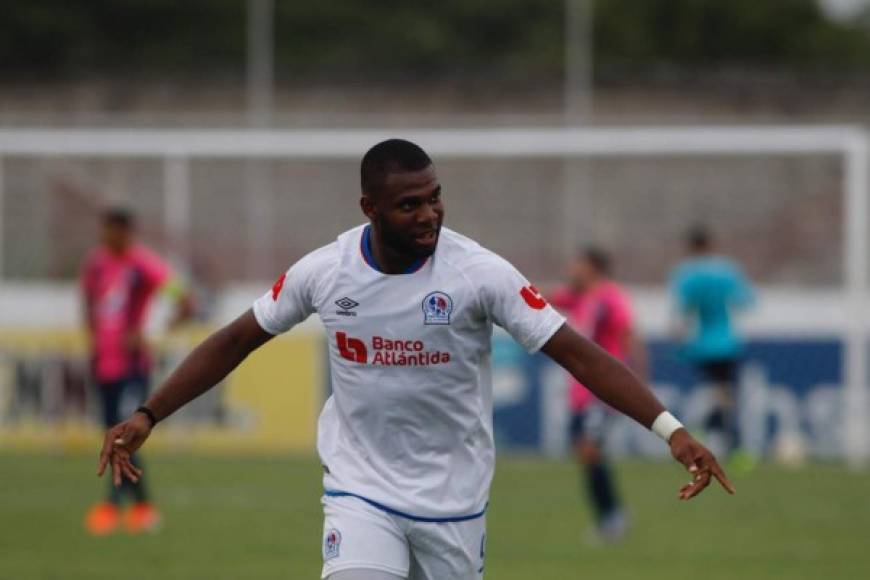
[367, 206]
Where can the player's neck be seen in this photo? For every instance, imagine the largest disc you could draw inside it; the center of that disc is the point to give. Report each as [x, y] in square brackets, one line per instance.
[117, 251]
[388, 260]
[591, 285]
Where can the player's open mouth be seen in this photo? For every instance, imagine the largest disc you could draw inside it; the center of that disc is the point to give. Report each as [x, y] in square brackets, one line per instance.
[428, 237]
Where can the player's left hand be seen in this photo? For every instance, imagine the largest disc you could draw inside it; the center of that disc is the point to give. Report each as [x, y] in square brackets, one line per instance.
[119, 444]
[699, 462]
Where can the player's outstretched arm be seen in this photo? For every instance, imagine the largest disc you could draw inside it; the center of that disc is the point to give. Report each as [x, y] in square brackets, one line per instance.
[203, 368]
[616, 385]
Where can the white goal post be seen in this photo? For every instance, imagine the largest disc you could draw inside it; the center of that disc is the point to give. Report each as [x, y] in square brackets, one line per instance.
[178, 147]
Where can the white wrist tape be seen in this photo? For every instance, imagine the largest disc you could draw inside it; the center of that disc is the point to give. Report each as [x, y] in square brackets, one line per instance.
[665, 425]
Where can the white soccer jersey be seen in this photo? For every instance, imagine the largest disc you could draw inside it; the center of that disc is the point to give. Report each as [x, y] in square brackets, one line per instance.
[408, 427]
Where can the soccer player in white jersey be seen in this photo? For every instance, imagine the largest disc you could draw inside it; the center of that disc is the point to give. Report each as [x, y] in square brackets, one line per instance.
[406, 439]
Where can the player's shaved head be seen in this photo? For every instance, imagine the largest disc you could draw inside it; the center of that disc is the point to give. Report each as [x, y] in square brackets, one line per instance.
[592, 264]
[118, 224]
[699, 239]
[598, 258]
[118, 217]
[390, 156]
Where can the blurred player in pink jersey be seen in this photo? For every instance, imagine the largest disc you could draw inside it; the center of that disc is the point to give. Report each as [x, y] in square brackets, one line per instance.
[600, 309]
[119, 279]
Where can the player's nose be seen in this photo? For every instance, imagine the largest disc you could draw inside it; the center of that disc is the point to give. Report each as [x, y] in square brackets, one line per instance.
[427, 214]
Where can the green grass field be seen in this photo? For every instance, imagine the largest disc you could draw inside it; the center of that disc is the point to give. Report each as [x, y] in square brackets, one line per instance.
[260, 518]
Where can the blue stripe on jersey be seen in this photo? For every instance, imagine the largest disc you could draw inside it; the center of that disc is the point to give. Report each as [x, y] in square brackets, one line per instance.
[391, 511]
[366, 247]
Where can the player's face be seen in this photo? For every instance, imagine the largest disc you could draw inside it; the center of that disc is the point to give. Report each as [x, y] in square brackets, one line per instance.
[408, 212]
[116, 237]
[583, 273]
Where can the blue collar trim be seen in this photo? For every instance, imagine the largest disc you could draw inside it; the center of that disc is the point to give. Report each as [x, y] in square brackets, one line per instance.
[366, 250]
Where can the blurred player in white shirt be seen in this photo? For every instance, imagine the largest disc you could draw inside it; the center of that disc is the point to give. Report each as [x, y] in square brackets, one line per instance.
[406, 439]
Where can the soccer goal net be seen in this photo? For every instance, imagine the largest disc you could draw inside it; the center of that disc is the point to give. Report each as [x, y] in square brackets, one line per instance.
[234, 208]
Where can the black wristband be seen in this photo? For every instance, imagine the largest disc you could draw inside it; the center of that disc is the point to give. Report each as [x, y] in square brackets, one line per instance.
[148, 413]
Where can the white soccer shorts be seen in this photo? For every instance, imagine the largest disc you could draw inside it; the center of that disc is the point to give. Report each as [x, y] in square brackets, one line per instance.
[357, 535]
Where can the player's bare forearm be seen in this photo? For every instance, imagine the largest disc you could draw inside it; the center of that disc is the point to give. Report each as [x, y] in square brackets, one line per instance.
[208, 364]
[612, 382]
[607, 378]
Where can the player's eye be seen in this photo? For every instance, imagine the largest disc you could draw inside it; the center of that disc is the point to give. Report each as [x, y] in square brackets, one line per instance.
[406, 206]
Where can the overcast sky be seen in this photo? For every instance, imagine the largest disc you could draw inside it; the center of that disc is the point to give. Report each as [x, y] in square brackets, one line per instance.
[844, 8]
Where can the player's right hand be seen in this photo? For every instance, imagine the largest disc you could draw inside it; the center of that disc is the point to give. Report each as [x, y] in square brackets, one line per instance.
[118, 446]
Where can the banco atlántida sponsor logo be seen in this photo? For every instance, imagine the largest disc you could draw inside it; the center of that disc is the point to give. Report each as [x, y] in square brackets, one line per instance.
[384, 351]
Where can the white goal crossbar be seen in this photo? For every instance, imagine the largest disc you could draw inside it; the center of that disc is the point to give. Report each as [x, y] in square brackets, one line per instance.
[177, 147]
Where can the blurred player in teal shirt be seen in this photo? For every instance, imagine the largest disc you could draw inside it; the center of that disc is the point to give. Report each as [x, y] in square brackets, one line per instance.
[707, 290]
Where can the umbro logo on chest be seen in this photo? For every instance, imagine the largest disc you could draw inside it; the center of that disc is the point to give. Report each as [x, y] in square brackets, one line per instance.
[346, 305]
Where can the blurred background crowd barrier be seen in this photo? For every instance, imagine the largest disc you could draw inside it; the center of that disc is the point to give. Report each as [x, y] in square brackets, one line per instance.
[109, 103]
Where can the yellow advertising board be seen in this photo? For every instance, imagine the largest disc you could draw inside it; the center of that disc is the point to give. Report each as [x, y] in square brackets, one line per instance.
[269, 404]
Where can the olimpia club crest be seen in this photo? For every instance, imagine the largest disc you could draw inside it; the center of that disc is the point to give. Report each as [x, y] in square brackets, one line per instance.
[331, 544]
[437, 307]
